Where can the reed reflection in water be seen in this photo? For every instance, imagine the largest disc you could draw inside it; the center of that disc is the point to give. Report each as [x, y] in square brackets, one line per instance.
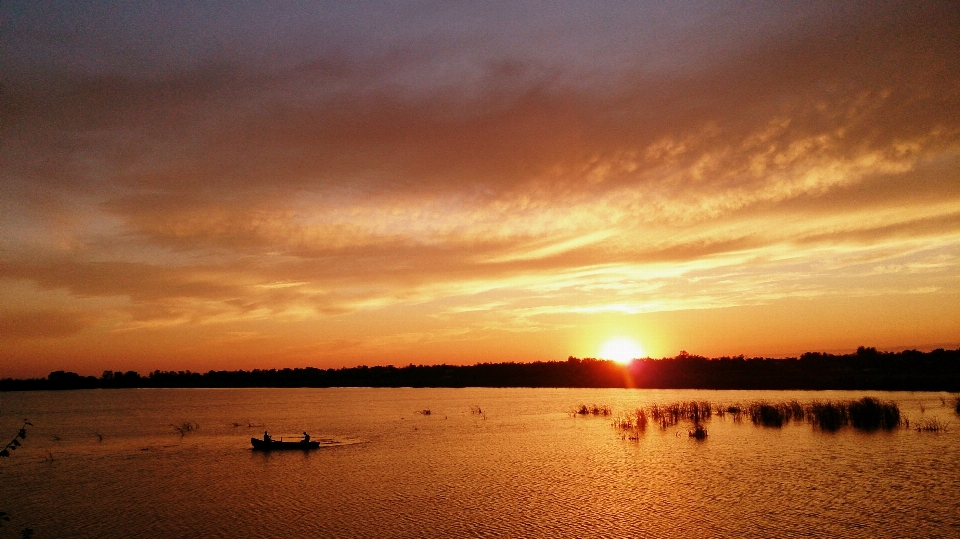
[482, 463]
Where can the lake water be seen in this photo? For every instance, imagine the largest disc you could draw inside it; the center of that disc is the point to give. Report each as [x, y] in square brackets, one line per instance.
[110, 463]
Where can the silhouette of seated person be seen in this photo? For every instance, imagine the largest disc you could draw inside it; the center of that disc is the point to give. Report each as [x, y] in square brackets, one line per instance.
[306, 437]
[266, 437]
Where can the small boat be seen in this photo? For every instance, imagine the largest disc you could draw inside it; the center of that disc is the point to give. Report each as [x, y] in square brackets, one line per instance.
[259, 444]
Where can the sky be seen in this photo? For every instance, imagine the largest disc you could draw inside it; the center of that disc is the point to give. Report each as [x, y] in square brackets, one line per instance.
[188, 185]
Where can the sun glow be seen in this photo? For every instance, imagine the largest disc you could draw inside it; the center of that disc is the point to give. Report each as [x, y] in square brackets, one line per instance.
[621, 350]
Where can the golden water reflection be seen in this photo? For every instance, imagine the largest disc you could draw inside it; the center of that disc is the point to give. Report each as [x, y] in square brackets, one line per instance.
[522, 466]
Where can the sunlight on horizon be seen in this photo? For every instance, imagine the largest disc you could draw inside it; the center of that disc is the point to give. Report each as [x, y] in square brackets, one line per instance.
[621, 350]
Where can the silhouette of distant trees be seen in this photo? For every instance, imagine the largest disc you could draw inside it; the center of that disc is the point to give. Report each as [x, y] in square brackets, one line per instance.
[867, 369]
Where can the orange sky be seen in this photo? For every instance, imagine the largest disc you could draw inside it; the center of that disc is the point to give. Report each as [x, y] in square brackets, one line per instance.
[331, 185]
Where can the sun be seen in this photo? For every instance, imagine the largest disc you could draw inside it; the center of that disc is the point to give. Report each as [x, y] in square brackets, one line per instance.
[621, 350]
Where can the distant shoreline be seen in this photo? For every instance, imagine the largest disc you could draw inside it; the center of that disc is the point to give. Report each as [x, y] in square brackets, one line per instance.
[867, 369]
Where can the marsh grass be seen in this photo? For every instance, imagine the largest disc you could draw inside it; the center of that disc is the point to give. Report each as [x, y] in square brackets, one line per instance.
[659, 414]
[871, 414]
[593, 409]
[699, 411]
[698, 432]
[641, 419]
[865, 414]
[797, 411]
[667, 415]
[622, 421]
[631, 424]
[768, 415]
[931, 425]
[828, 416]
[775, 414]
[736, 410]
[636, 420]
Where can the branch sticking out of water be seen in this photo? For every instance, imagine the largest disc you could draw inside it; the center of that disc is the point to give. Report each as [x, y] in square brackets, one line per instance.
[15, 443]
[185, 427]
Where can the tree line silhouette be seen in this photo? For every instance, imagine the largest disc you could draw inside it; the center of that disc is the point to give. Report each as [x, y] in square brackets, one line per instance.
[867, 369]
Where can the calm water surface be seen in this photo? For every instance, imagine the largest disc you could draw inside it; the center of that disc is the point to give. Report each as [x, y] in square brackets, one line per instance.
[524, 468]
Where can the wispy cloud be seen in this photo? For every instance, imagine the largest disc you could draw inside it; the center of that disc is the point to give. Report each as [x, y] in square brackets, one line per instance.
[480, 186]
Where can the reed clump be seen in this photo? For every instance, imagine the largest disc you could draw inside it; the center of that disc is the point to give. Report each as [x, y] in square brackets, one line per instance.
[631, 424]
[866, 414]
[768, 415]
[670, 414]
[775, 414]
[870, 414]
[593, 409]
[829, 416]
[931, 425]
[735, 410]
[641, 419]
[623, 421]
[797, 411]
[660, 415]
[699, 411]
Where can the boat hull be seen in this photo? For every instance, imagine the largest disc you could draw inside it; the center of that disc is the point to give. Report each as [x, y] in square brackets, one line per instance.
[278, 445]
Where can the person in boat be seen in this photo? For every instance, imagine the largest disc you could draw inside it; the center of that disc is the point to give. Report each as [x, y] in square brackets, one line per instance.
[306, 437]
[266, 437]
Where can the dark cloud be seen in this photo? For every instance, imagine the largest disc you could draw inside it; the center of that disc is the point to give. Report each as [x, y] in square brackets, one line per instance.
[234, 130]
